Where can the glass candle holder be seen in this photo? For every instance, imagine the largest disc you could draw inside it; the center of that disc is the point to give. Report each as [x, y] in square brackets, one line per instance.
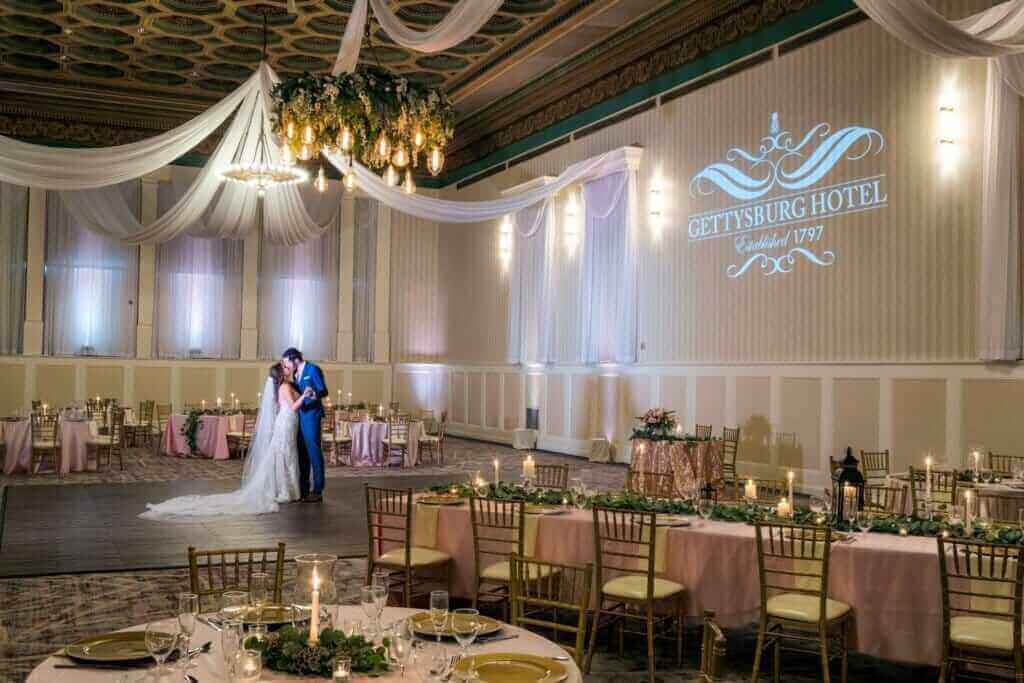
[322, 566]
[248, 667]
[341, 669]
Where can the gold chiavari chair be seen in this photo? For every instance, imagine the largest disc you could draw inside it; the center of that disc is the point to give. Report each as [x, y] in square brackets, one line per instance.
[552, 477]
[238, 442]
[342, 438]
[213, 572]
[163, 416]
[543, 590]
[111, 445]
[651, 484]
[141, 432]
[712, 649]
[982, 585]
[390, 545]
[1004, 465]
[730, 447]
[885, 500]
[702, 432]
[37, 406]
[874, 465]
[625, 544]
[943, 488]
[397, 438]
[499, 532]
[433, 444]
[793, 563]
[45, 442]
[1002, 509]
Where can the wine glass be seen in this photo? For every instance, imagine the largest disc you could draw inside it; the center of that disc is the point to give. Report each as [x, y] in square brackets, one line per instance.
[233, 604]
[380, 599]
[862, 521]
[380, 577]
[366, 601]
[160, 641]
[188, 610]
[259, 593]
[230, 643]
[400, 644]
[705, 507]
[438, 611]
[465, 627]
[580, 498]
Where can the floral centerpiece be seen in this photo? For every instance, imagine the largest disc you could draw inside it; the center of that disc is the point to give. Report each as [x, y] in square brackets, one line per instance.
[288, 649]
[657, 424]
[383, 120]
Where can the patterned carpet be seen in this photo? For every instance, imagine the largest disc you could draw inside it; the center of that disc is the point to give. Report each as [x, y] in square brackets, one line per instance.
[40, 615]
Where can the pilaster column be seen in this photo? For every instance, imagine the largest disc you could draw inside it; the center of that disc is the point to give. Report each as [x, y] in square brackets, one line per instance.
[147, 268]
[382, 304]
[35, 259]
[346, 268]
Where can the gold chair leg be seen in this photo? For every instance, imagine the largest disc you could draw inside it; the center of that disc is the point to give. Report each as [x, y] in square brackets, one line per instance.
[651, 663]
[593, 638]
[846, 650]
[824, 657]
[777, 660]
[679, 632]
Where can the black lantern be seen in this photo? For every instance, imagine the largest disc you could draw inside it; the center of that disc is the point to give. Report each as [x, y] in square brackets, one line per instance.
[848, 491]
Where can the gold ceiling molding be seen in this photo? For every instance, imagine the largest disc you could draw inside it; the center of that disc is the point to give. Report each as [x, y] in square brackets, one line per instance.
[680, 34]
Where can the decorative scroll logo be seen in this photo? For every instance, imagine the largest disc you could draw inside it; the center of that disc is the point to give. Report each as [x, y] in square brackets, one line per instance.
[795, 166]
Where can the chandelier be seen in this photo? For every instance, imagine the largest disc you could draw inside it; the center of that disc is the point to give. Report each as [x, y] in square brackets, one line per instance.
[384, 121]
[259, 171]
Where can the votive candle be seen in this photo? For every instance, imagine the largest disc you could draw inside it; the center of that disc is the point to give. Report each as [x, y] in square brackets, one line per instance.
[968, 510]
[219, 403]
[202, 404]
[784, 509]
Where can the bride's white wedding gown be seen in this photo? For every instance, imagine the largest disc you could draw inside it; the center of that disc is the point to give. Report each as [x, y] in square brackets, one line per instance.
[270, 476]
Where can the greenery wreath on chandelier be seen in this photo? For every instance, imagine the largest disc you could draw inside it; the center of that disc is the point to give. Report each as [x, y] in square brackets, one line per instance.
[382, 120]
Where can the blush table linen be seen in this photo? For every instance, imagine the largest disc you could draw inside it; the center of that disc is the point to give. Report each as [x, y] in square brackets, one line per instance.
[369, 449]
[74, 446]
[211, 438]
[690, 462]
[210, 666]
[891, 582]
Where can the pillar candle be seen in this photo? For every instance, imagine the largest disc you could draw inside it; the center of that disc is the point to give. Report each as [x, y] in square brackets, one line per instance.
[529, 468]
[968, 516]
[789, 479]
[314, 618]
[977, 458]
[497, 472]
[784, 509]
[750, 490]
[219, 402]
[928, 477]
[202, 404]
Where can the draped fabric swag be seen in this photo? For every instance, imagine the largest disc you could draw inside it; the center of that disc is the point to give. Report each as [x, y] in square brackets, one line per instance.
[998, 35]
[364, 280]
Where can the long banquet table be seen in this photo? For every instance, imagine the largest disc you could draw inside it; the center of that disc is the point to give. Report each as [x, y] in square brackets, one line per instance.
[210, 666]
[891, 582]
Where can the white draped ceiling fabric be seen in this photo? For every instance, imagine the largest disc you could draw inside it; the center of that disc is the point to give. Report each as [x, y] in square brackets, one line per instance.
[996, 34]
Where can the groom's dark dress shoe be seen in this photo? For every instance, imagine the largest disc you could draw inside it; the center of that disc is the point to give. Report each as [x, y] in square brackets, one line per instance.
[313, 498]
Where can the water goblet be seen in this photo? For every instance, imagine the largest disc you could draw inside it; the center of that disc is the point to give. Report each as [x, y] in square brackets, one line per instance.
[400, 644]
[380, 577]
[438, 611]
[380, 599]
[233, 605]
[188, 610]
[161, 640]
[230, 643]
[465, 627]
[259, 593]
[580, 498]
[862, 521]
[705, 507]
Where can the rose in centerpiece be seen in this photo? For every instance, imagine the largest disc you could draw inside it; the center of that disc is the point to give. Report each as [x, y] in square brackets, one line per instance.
[657, 424]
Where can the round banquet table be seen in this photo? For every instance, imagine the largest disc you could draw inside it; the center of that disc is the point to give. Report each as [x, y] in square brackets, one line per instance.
[691, 463]
[74, 445]
[212, 436]
[210, 666]
[368, 444]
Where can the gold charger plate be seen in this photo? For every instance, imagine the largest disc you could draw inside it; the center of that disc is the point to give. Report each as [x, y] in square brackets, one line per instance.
[440, 500]
[512, 667]
[544, 510]
[273, 615]
[126, 646]
[423, 626]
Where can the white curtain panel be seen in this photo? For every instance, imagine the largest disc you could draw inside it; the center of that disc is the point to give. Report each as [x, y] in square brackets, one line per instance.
[298, 298]
[198, 292]
[532, 283]
[461, 22]
[91, 283]
[13, 233]
[608, 286]
[996, 33]
[364, 280]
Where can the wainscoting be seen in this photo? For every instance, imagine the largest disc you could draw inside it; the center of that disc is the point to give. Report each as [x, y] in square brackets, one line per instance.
[59, 381]
[792, 416]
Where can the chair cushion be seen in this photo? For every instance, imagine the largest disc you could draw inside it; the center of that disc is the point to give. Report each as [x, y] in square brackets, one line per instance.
[397, 441]
[992, 634]
[419, 557]
[634, 587]
[430, 438]
[44, 443]
[236, 435]
[798, 607]
[502, 571]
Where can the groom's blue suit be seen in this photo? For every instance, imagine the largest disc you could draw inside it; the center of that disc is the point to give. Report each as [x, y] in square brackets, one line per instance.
[311, 413]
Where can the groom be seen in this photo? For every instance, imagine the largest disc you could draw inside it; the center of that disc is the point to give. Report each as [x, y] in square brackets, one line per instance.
[311, 413]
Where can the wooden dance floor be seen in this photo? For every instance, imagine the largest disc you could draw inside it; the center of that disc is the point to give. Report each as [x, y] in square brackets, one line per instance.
[73, 528]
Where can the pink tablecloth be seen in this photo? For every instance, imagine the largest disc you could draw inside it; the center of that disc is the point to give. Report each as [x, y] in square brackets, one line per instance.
[211, 437]
[891, 582]
[368, 444]
[74, 449]
[695, 462]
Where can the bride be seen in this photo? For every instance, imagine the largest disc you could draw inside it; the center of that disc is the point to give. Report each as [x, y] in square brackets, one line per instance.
[271, 472]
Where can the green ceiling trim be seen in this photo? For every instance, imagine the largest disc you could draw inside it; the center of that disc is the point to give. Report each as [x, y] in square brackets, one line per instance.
[780, 31]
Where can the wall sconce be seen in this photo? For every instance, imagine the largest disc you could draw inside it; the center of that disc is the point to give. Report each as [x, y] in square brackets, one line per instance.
[571, 231]
[949, 129]
[656, 208]
[505, 242]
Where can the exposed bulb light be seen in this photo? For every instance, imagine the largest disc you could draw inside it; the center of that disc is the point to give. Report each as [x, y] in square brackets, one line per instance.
[308, 135]
[289, 130]
[436, 161]
[287, 156]
[505, 242]
[409, 186]
[321, 181]
[391, 176]
[400, 158]
[350, 180]
[305, 153]
[418, 139]
[383, 146]
[571, 230]
[345, 139]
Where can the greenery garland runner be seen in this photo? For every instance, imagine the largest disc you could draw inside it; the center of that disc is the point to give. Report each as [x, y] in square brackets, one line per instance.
[288, 650]
[746, 513]
[193, 423]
